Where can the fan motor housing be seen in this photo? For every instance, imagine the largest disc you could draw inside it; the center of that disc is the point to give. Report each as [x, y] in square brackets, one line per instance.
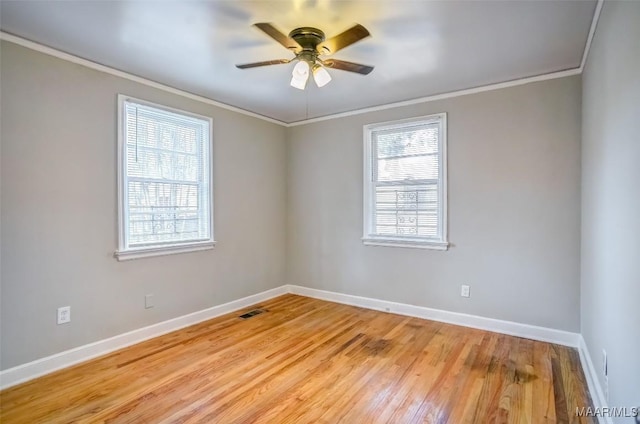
[307, 37]
[308, 44]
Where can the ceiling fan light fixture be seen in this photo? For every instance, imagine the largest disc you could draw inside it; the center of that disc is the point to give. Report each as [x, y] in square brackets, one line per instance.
[321, 76]
[308, 44]
[300, 75]
[299, 83]
[301, 70]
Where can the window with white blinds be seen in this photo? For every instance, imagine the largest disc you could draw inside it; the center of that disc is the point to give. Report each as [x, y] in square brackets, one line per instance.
[405, 183]
[165, 189]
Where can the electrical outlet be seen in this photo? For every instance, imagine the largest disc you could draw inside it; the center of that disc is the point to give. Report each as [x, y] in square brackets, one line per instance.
[64, 314]
[148, 301]
[465, 291]
[605, 373]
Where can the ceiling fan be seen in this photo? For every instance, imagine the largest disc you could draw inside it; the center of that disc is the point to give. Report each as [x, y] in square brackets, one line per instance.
[308, 44]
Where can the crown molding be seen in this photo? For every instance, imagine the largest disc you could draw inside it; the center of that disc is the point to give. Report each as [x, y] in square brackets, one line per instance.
[481, 89]
[465, 92]
[135, 78]
[592, 32]
[475, 90]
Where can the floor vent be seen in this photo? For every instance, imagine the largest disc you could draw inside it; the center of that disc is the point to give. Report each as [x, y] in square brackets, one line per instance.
[252, 313]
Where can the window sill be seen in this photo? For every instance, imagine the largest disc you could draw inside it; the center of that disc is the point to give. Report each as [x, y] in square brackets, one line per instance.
[146, 252]
[415, 244]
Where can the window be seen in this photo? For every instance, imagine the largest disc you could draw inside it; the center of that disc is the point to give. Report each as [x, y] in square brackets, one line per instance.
[164, 180]
[405, 184]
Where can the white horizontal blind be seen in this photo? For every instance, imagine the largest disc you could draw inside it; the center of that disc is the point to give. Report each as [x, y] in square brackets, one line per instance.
[406, 181]
[166, 177]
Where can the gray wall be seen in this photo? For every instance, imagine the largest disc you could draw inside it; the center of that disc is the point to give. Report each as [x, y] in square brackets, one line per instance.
[59, 217]
[611, 201]
[514, 209]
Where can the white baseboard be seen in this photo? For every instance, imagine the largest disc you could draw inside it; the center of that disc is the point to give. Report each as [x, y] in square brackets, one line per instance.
[533, 332]
[544, 334]
[21, 373]
[597, 394]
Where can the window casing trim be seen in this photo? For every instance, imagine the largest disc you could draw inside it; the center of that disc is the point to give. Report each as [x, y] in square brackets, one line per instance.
[405, 242]
[163, 250]
[123, 253]
[369, 238]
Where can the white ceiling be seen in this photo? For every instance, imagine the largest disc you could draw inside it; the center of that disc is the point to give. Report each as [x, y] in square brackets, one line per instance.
[419, 48]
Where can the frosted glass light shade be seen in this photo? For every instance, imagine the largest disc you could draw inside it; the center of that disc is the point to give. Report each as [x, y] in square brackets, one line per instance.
[301, 69]
[299, 83]
[321, 76]
[300, 75]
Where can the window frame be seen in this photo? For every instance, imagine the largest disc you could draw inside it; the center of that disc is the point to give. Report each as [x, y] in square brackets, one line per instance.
[124, 252]
[369, 237]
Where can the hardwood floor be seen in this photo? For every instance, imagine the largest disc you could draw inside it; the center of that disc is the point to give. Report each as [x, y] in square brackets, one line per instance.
[310, 361]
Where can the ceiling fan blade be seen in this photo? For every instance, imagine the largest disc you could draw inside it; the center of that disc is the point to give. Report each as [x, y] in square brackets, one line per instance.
[271, 31]
[347, 66]
[342, 40]
[265, 63]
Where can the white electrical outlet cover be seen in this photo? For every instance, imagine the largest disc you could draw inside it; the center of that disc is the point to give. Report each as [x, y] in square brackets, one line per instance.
[465, 291]
[148, 301]
[64, 314]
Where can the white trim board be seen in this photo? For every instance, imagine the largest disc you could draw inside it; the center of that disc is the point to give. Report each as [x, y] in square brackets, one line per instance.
[511, 328]
[25, 372]
[592, 33]
[448, 95]
[39, 367]
[481, 89]
[140, 80]
[474, 90]
[593, 384]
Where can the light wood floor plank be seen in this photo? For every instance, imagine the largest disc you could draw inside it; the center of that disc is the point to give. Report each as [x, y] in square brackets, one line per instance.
[308, 361]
